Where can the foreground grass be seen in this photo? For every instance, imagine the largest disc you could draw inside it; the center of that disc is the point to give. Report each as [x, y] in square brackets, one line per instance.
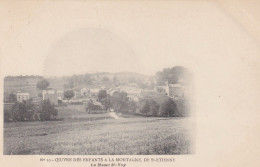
[99, 134]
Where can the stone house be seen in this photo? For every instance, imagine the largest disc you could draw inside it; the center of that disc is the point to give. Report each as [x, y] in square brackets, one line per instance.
[50, 94]
[22, 96]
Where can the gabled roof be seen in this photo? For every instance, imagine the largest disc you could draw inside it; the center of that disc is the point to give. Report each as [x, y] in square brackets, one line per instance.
[50, 91]
[175, 85]
[23, 93]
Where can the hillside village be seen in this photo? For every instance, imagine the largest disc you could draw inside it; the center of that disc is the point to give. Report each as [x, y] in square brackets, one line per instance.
[139, 91]
[99, 114]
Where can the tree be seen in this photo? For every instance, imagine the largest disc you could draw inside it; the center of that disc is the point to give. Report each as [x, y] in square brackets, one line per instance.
[43, 84]
[173, 75]
[19, 111]
[161, 90]
[154, 107]
[119, 101]
[12, 98]
[40, 95]
[23, 110]
[132, 106]
[120, 95]
[146, 108]
[150, 106]
[68, 94]
[48, 110]
[183, 108]
[169, 108]
[92, 107]
[7, 116]
[107, 102]
[101, 95]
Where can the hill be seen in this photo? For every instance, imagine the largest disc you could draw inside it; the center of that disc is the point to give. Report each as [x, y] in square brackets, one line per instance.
[12, 84]
[130, 75]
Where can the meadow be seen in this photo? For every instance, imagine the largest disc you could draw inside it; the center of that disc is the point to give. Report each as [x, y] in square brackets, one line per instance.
[76, 132]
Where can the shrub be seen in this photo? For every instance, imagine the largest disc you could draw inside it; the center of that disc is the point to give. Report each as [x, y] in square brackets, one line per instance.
[6, 116]
[23, 111]
[69, 94]
[183, 107]
[48, 110]
[146, 108]
[150, 107]
[92, 107]
[169, 108]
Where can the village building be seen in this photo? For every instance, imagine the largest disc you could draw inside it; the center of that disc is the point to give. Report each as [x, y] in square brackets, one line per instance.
[130, 90]
[60, 94]
[134, 98]
[148, 94]
[36, 100]
[83, 91]
[50, 94]
[177, 91]
[110, 92]
[94, 92]
[133, 93]
[77, 94]
[22, 96]
[161, 89]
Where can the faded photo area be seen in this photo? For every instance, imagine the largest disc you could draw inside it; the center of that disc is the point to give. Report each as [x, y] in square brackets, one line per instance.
[114, 111]
[99, 113]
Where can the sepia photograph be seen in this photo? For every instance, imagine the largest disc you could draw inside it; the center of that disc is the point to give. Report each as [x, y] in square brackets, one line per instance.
[119, 112]
[129, 83]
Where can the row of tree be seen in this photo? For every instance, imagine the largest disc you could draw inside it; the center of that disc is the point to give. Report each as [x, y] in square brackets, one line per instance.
[119, 102]
[27, 111]
[173, 75]
[168, 108]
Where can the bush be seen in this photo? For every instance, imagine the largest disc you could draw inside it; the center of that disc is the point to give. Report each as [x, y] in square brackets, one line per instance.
[146, 108]
[6, 116]
[177, 108]
[183, 107]
[169, 108]
[48, 110]
[69, 94]
[150, 107]
[27, 111]
[23, 111]
[91, 107]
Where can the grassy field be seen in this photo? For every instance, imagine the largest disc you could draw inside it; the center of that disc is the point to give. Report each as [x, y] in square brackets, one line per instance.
[76, 132]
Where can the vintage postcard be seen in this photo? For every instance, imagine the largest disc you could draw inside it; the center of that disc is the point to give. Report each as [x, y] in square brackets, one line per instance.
[130, 83]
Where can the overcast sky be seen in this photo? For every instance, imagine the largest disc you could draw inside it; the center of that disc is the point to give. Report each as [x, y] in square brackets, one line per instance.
[60, 38]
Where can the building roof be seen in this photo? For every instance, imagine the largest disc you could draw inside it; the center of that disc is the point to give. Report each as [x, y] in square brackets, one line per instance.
[94, 90]
[130, 90]
[176, 85]
[60, 91]
[50, 91]
[20, 93]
